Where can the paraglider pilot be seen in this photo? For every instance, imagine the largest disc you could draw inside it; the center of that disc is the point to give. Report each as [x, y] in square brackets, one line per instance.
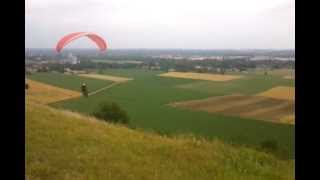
[84, 90]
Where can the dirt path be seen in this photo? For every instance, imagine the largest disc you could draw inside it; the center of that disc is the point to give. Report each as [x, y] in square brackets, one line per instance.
[104, 88]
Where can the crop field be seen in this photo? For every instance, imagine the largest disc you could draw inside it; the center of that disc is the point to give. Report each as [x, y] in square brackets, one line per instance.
[288, 119]
[289, 77]
[254, 107]
[146, 100]
[200, 76]
[275, 72]
[279, 92]
[44, 94]
[72, 82]
[282, 72]
[248, 85]
[106, 77]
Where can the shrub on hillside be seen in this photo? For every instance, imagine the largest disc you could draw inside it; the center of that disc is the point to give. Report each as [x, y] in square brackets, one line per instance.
[270, 145]
[111, 112]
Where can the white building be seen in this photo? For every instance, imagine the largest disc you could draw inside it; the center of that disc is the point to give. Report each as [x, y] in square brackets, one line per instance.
[197, 58]
[218, 58]
[71, 59]
[257, 58]
[285, 58]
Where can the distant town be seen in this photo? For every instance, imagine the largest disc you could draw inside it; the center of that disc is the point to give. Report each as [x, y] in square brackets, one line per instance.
[209, 61]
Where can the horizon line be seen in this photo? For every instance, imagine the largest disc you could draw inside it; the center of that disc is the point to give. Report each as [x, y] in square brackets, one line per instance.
[172, 48]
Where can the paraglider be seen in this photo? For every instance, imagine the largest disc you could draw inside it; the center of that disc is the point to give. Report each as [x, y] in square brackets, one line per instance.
[98, 40]
[84, 90]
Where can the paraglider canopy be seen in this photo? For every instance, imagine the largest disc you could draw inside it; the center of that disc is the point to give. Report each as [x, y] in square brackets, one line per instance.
[98, 40]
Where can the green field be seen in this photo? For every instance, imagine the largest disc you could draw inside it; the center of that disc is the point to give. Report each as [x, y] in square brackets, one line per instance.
[250, 84]
[146, 97]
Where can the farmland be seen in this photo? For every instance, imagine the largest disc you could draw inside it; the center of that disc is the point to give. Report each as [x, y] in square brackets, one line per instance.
[254, 107]
[45, 94]
[106, 77]
[200, 76]
[289, 77]
[146, 100]
[72, 82]
[279, 92]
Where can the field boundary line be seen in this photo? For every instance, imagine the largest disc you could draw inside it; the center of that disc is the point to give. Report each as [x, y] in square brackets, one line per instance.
[104, 88]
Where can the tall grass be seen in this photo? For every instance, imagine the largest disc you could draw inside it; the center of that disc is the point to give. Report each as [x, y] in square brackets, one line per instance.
[65, 145]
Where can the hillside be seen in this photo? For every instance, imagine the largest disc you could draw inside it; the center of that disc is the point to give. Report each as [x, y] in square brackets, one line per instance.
[66, 145]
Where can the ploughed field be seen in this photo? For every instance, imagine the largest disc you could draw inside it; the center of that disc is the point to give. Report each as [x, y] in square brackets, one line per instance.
[146, 99]
[254, 107]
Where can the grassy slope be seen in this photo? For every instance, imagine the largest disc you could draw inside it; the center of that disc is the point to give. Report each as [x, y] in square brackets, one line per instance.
[72, 82]
[145, 100]
[64, 145]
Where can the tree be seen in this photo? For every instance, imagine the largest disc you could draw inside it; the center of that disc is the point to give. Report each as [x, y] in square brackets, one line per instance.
[111, 112]
[269, 145]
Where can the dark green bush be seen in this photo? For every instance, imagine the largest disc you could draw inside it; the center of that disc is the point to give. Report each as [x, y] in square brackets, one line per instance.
[111, 112]
[270, 145]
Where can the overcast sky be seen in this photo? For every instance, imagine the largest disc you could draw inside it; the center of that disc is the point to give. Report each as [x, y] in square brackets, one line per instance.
[196, 24]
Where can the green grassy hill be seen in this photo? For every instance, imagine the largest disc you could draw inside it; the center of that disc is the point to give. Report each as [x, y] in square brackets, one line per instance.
[65, 145]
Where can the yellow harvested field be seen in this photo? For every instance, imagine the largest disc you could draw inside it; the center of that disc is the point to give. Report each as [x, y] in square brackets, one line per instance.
[106, 77]
[289, 77]
[253, 107]
[44, 94]
[279, 92]
[201, 76]
[282, 72]
[267, 109]
[288, 119]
